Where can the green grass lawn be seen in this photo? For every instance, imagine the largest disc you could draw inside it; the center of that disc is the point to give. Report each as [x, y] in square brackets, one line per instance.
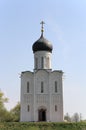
[41, 126]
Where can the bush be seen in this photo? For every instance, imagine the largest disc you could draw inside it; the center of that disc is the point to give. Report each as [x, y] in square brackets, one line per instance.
[41, 126]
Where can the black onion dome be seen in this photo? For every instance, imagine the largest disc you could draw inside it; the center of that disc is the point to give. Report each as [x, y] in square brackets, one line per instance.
[42, 44]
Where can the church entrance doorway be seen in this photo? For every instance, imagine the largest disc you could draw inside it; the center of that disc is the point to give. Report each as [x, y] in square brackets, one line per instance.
[42, 114]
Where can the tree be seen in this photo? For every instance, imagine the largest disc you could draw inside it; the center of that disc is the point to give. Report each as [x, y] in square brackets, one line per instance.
[12, 115]
[67, 117]
[80, 117]
[15, 112]
[75, 117]
[3, 111]
[2, 100]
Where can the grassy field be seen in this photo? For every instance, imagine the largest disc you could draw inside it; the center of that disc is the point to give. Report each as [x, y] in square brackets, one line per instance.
[42, 126]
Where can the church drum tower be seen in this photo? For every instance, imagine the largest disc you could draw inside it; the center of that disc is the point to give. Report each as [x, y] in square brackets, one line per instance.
[41, 90]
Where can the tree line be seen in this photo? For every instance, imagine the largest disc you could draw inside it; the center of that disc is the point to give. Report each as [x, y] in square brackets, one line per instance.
[74, 118]
[5, 115]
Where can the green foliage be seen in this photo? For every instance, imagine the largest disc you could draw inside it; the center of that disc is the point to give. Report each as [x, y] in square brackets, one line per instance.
[76, 117]
[15, 113]
[2, 100]
[42, 126]
[67, 117]
[4, 114]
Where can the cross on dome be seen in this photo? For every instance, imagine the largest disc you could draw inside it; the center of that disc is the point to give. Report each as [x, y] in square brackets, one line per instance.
[42, 27]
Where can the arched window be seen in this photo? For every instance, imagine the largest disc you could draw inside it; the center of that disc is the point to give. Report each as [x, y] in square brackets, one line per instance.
[42, 87]
[42, 62]
[28, 108]
[36, 63]
[47, 62]
[28, 89]
[56, 89]
[55, 107]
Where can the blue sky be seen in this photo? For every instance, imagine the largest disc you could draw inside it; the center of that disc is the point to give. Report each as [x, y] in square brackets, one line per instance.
[65, 27]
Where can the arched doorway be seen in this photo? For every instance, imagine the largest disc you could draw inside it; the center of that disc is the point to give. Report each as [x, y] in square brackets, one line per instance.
[42, 115]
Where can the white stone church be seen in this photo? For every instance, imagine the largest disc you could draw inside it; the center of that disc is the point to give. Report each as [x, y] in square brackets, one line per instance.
[41, 90]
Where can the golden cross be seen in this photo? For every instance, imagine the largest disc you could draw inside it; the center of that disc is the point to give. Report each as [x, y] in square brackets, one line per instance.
[42, 28]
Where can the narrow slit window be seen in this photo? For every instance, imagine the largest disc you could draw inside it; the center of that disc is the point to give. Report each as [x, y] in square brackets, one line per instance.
[56, 89]
[28, 108]
[42, 62]
[28, 89]
[36, 63]
[55, 107]
[47, 62]
[42, 87]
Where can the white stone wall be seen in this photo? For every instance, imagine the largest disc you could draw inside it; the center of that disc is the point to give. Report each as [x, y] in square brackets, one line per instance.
[56, 97]
[41, 99]
[27, 98]
[46, 60]
[48, 99]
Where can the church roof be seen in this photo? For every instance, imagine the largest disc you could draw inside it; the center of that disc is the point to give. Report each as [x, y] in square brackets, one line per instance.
[42, 44]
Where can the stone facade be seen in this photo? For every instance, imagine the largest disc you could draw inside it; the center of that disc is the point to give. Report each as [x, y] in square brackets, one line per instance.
[48, 98]
[42, 60]
[41, 90]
